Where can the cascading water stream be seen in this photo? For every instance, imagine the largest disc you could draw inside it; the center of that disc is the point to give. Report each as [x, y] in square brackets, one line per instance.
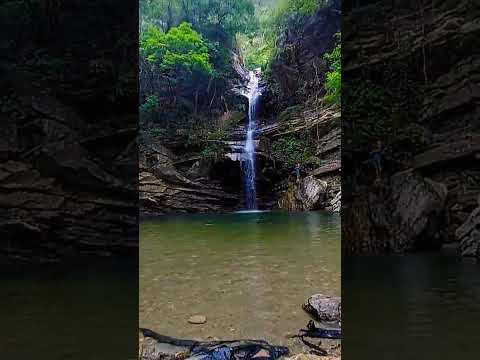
[249, 150]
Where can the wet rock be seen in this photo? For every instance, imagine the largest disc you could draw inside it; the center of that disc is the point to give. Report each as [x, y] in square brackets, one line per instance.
[324, 308]
[197, 319]
[469, 235]
[308, 194]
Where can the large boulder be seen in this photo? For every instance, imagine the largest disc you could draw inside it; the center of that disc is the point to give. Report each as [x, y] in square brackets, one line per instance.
[469, 234]
[324, 308]
[404, 214]
[308, 194]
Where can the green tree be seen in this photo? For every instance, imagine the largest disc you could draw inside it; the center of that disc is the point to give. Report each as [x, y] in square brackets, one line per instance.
[216, 19]
[181, 48]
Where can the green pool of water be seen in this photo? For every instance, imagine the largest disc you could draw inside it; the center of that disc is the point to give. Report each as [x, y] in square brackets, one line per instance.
[248, 273]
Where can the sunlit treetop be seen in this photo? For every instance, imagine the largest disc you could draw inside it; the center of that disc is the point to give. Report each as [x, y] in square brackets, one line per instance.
[179, 48]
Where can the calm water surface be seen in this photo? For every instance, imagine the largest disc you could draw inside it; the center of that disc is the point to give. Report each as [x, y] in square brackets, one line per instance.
[86, 309]
[424, 306]
[248, 273]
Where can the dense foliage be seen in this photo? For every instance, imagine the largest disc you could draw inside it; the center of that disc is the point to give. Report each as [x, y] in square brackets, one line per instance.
[333, 79]
[186, 73]
[186, 63]
[291, 150]
[181, 48]
[216, 19]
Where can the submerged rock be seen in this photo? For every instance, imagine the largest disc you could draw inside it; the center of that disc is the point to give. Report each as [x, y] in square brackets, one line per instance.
[197, 319]
[324, 308]
[308, 194]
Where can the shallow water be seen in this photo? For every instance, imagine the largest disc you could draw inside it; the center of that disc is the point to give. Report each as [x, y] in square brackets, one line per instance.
[248, 273]
[423, 306]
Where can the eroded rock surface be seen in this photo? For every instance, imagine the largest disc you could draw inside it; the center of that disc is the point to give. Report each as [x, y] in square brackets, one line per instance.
[66, 187]
[469, 235]
[441, 121]
[324, 308]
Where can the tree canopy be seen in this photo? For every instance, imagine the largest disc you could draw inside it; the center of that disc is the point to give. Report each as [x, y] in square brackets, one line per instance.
[259, 47]
[215, 19]
[181, 48]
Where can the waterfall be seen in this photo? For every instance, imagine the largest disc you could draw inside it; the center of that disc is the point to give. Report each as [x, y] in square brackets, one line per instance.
[248, 163]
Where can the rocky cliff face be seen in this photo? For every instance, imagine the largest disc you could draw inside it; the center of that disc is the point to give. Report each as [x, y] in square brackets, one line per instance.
[298, 75]
[419, 57]
[299, 70]
[68, 154]
[164, 189]
[320, 186]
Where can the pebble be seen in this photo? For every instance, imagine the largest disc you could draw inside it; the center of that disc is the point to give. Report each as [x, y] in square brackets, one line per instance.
[197, 319]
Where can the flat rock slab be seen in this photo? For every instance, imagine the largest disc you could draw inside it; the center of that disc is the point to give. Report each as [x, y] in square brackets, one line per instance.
[324, 308]
[197, 319]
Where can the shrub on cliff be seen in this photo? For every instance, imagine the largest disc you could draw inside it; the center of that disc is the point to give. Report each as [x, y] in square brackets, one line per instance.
[291, 150]
[333, 78]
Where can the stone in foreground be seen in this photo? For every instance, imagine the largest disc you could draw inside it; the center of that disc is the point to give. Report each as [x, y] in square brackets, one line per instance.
[324, 308]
